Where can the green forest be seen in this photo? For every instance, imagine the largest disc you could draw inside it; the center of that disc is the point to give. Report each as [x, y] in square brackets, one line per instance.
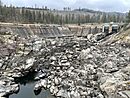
[52, 16]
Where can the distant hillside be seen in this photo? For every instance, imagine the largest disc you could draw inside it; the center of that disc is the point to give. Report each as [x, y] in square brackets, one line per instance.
[92, 15]
[88, 10]
[100, 12]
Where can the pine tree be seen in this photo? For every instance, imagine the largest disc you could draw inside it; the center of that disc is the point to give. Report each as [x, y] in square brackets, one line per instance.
[113, 18]
[0, 7]
[26, 16]
[128, 17]
[66, 19]
[43, 16]
[0, 10]
[38, 17]
[33, 16]
[51, 18]
[118, 19]
[104, 18]
[79, 20]
[72, 19]
[30, 17]
[87, 18]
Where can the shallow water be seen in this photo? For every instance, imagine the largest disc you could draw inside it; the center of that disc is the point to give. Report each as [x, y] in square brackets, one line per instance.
[27, 84]
[26, 91]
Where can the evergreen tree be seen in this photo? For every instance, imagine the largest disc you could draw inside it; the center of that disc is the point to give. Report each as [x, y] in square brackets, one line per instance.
[0, 10]
[44, 15]
[0, 7]
[66, 19]
[30, 17]
[87, 18]
[33, 17]
[128, 17]
[72, 19]
[104, 18]
[118, 19]
[39, 17]
[114, 18]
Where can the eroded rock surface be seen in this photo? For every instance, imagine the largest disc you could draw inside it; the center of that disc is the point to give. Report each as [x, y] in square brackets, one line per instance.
[72, 67]
[78, 68]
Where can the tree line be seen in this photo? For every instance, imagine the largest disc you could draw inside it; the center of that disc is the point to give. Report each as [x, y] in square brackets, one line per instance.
[48, 16]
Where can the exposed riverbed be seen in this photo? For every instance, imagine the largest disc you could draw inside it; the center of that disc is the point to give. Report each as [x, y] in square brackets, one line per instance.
[65, 67]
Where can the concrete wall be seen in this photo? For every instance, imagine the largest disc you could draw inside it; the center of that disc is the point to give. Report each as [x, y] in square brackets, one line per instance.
[28, 30]
[84, 31]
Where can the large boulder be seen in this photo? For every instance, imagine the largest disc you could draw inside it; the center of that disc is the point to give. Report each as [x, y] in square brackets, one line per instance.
[6, 90]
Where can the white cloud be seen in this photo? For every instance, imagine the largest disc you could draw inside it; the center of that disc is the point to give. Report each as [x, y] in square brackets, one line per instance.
[70, 1]
[105, 5]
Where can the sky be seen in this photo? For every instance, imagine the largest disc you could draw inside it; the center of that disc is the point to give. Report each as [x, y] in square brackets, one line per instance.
[102, 5]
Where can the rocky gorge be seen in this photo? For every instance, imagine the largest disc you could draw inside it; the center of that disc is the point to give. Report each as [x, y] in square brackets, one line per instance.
[69, 67]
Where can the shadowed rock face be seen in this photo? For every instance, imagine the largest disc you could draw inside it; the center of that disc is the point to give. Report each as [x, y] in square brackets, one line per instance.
[14, 62]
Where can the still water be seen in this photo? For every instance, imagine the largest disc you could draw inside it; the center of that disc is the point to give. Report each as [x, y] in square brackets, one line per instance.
[26, 89]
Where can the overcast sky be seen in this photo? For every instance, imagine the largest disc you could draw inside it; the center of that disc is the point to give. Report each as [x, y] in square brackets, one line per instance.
[104, 5]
